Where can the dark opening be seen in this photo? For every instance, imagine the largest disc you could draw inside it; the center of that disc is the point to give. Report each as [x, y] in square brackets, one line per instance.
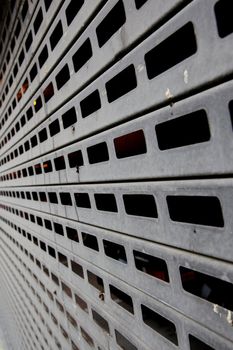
[95, 281]
[98, 153]
[21, 59]
[34, 141]
[72, 234]
[186, 130]
[48, 224]
[29, 113]
[18, 29]
[38, 169]
[207, 287]
[81, 303]
[53, 197]
[15, 70]
[26, 146]
[159, 324]
[90, 241]
[58, 229]
[59, 163]
[30, 171]
[69, 118]
[47, 166]
[198, 210]
[65, 198]
[100, 321]
[53, 254]
[43, 135]
[24, 10]
[12, 44]
[87, 337]
[33, 72]
[38, 104]
[47, 4]
[54, 128]
[39, 221]
[197, 344]
[121, 84]
[140, 205]
[121, 298]
[173, 50]
[111, 23]
[43, 197]
[77, 268]
[123, 342]
[151, 265]
[35, 196]
[115, 251]
[90, 104]
[223, 10]
[62, 77]
[62, 259]
[130, 144]
[82, 55]
[56, 35]
[24, 171]
[75, 159]
[43, 246]
[28, 41]
[48, 92]
[38, 21]
[82, 200]
[8, 59]
[43, 56]
[106, 202]
[23, 120]
[231, 111]
[72, 10]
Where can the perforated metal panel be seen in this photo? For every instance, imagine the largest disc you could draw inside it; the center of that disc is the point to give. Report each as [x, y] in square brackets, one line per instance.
[116, 170]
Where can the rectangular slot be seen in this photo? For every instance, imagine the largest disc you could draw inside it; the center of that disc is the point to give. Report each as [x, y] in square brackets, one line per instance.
[82, 200]
[98, 153]
[38, 169]
[77, 269]
[43, 135]
[186, 130]
[48, 224]
[123, 342]
[121, 298]
[72, 234]
[48, 92]
[69, 118]
[75, 159]
[58, 229]
[87, 337]
[66, 290]
[47, 4]
[115, 251]
[151, 265]
[140, 205]
[100, 321]
[24, 10]
[38, 21]
[28, 41]
[56, 35]
[54, 128]
[90, 241]
[59, 163]
[82, 55]
[37, 104]
[173, 50]
[53, 197]
[29, 113]
[223, 10]
[197, 344]
[159, 324]
[47, 166]
[106, 202]
[207, 287]
[95, 281]
[199, 210]
[62, 77]
[90, 104]
[43, 56]
[72, 9]
[33, 72]
[42, 196]
[130, 144]
[121, 84]
[63, 259]
[65, 198]
[113, 21]
[81, 303]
